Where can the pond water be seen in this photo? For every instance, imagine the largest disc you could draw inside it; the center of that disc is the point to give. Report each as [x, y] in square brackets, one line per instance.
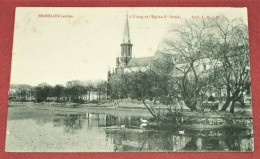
[100, 132]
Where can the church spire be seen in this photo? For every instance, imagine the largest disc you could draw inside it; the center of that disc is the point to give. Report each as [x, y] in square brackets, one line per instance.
[126, 38]
[126, 46]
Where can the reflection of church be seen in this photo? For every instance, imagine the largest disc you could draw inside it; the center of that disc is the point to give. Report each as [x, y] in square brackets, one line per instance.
[126, 62]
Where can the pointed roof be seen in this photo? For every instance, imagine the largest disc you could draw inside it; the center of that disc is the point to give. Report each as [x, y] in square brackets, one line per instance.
[126, 38]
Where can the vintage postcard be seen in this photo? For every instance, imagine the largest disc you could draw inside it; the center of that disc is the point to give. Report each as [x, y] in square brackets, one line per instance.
[120, 79]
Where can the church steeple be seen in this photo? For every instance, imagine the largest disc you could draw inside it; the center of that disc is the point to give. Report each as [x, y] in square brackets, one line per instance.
[126, 46]
[126, 38]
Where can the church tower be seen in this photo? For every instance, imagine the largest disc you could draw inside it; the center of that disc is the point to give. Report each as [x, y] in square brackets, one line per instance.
[126, 46]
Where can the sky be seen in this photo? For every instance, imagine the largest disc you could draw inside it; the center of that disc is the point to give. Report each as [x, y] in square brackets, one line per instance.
[83, 47]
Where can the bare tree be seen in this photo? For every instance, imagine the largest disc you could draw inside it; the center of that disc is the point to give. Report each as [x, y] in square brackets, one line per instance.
[232, 51]
[57, 91]
[100, 87]
[187, 45]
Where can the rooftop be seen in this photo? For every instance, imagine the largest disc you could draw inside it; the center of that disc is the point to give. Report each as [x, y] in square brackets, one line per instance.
[139, 62]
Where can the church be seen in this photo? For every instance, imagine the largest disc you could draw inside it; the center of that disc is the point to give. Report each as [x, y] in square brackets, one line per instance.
[126, 62]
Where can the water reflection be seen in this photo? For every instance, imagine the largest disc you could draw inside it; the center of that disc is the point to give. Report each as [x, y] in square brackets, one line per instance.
[112, 132]
[127, 133]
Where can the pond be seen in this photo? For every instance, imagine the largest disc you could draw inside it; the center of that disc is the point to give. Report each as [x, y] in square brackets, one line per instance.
[100, 132]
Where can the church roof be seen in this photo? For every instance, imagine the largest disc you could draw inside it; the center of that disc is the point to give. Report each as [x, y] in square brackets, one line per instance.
[140, 62]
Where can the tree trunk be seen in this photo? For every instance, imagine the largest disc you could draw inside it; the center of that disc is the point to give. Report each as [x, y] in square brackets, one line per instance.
[233, 98]
[228, 99]
[232, 106]
[191, 104]
[225, 106]
[151, 112]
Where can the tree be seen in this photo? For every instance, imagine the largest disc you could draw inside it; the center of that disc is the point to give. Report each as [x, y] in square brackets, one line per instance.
[116, 86]
[143, 83]
[41, 92]
[232, 50]
[75, 89]
[89, 85]
[58, 91]
[100, 87]
[186, 43]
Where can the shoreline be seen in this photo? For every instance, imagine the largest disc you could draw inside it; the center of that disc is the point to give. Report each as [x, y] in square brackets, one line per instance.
[26, 110]
[192, 120]
[125, 110]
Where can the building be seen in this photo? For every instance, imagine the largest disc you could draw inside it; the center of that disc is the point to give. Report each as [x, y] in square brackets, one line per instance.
[126, 63]
[20, 92]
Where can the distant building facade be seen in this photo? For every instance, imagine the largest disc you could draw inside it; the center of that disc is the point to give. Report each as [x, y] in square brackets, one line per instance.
[20, 92]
